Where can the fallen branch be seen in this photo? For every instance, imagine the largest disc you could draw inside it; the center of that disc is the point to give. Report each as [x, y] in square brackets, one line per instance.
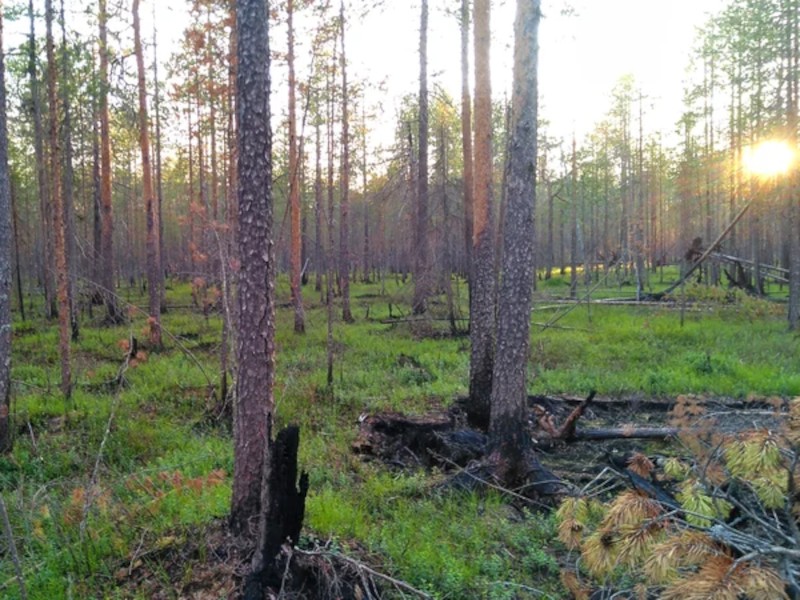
[361, 567]
[567, 430]
[13, 549]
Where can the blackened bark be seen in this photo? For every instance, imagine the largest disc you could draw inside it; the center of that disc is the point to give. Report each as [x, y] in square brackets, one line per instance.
[482, 302]
[256, 335]
[283, 499]
[5, 261]
[508, 400]
[421, 266]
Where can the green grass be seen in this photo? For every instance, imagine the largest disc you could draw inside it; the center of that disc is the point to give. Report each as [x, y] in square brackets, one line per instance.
[166, 464]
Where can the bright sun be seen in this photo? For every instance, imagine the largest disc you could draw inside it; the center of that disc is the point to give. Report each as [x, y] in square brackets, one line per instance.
[768, 158]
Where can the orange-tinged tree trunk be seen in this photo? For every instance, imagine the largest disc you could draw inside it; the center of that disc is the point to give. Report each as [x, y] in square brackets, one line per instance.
[153, 228]
[59, 211]
[466, 136]
[482, 303]
[106, 211]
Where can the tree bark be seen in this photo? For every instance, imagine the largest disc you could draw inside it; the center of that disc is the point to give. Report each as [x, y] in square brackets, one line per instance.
[45, 201]
[59, 211]
[466, 139]
[107, 229]
[508, 400]
[294, 183]
[154, 273]
[68, 176]
[5, 261]
[482, 303]
[344, 206]
[421, 262]
[256, 335]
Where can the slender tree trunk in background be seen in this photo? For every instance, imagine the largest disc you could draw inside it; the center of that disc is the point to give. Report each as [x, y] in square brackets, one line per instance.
[294, 183]
[318, 209]
[344, 206]
[256, 336]
[15, 221]
[154, 272]
[330, 263]
[107, 231]
[163, 262]
[212, 118]
[793, 25]
[421, 258]
[482, 304]
[97, 209]
[466, 139]
[191, 208]
[507, 432]
[573, 218]
[367, 266]
[5, 262]
[68, 181]
[59, 210]
[45, 201]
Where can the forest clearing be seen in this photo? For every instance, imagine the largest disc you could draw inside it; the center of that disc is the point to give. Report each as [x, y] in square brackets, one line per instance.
[276, 324]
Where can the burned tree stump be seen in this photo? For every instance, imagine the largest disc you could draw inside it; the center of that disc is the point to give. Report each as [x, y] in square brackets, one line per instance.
[282, 514]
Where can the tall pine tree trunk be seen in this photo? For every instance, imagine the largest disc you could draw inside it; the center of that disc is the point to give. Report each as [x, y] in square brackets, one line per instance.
[59, 210]
[154, 273]
[45, 198]
[422, 274]
[256, 335]
[294, 184]
[507, 431]
[5, 261]
[344, 206]
[107, 228]
[482, 303]
[466, 138]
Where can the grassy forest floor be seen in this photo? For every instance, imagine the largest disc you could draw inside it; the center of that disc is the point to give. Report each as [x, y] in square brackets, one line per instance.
[120, 492]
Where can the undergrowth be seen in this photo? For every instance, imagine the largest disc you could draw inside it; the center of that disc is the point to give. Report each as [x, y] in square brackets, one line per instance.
[82, 517]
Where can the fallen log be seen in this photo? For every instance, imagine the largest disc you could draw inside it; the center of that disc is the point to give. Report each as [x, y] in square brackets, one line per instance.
[613, 433]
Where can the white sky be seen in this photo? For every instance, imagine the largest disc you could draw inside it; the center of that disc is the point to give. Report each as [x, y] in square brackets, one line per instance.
[581, 56]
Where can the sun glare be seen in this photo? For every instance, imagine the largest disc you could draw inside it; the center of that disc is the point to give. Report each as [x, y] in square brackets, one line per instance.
[768, 158]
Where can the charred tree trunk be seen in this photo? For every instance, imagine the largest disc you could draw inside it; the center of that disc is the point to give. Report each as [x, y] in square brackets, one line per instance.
[508, 401]
[283, 508]
[482, 302]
